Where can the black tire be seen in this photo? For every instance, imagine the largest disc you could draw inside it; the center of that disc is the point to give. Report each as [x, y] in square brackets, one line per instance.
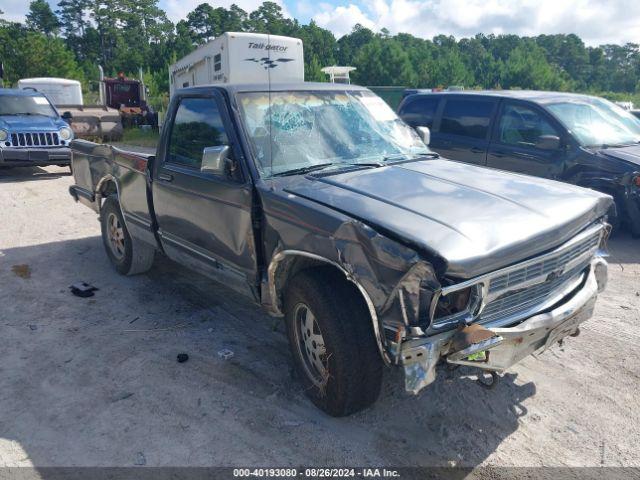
[353, 375]
[132, 256]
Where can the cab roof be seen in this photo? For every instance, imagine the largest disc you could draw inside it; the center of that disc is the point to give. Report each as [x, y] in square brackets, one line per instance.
[17, 92]
[234, 88]
[536, 96]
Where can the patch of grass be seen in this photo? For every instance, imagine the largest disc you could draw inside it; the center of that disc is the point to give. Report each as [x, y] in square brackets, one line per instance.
[140, 137]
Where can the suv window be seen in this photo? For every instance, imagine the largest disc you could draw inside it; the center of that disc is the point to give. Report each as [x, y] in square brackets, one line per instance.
[467, 117]
[420, 111]
[197, 125]
[523, 126]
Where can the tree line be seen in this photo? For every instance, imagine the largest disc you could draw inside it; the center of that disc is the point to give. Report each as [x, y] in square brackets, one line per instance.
[71, 40]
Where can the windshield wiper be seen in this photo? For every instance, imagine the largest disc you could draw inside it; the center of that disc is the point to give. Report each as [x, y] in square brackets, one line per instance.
[604, 146]
[406, 157]
[24, 113]
[303, 170]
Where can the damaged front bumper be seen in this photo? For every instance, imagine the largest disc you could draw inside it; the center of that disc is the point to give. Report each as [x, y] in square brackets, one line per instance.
[497, 349]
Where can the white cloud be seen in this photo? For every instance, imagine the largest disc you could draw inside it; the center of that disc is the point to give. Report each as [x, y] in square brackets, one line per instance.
[340, 20]
[595, 21]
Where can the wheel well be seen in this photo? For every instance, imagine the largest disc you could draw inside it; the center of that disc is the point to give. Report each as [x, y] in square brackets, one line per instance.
[106, 187]
[286, 265]
[291, 265]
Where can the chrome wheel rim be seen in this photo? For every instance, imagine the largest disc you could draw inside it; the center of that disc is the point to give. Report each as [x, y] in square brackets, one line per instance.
[115, 235]
[311, 346]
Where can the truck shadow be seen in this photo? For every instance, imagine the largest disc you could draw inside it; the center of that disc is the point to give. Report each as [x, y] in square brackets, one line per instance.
[27, 174]
[95, 381]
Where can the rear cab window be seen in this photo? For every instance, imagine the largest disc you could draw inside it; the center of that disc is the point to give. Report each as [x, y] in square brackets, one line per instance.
[467, 117]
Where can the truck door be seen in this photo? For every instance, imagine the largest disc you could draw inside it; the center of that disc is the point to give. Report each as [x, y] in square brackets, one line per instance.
[204, 218]
[462, 132]
[527, 140]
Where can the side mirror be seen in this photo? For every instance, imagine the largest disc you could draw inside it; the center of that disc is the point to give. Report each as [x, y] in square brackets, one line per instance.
[425, 134]
[66, 116]
[214, 159]
[548, 142]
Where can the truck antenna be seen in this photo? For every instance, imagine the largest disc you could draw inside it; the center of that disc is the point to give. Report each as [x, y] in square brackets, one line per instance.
[270, 109]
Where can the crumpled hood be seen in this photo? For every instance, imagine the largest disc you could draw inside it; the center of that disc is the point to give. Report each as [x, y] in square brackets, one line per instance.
[476, 219]
[30, 123]
[628, 154]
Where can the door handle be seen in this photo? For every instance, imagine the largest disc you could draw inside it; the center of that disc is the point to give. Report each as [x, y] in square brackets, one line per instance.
[477, 150]
[166, 177]
[499, 154]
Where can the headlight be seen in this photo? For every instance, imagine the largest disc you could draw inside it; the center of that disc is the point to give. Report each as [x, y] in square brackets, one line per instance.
[3, 135]
[66, 133]
[455, 307]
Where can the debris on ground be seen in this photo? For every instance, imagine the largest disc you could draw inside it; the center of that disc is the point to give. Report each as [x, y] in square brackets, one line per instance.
[82, 289]
[33, 327]
[182, 357]
[140, 460]
[122, 396]
[23, 271]
[225, 354]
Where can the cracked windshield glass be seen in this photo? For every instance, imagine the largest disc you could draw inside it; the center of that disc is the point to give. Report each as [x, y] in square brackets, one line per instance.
[305, 131]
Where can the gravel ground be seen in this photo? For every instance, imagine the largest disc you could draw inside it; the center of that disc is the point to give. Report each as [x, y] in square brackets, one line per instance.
[95, 381]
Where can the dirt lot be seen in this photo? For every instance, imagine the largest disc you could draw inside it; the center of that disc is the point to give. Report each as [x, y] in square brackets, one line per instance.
[94, 381]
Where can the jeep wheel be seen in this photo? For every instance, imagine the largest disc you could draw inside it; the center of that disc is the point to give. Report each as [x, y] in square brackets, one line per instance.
[332, 342]
[128, 255]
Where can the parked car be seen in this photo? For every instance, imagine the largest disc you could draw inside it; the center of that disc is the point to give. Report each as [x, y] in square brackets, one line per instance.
[317, 202]
[573, 138]
[32, 132]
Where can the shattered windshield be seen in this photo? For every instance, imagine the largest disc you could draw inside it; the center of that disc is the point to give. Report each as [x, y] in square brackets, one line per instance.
[598, 123]
[26, 105]
[298, 131]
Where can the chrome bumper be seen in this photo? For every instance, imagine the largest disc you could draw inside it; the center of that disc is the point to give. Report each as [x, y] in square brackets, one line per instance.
[509, 345]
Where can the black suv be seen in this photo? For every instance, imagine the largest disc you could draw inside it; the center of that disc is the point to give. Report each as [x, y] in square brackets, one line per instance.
[573, 138]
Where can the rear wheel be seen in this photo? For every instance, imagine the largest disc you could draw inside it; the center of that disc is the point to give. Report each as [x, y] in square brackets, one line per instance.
[332, 342]
[127, 254]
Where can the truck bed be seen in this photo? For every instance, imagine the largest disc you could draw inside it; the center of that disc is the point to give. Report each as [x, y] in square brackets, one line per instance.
[101, 169]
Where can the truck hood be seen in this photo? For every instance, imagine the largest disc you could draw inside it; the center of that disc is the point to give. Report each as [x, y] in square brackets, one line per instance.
[627, 154]
[475, 219]
[30, 123]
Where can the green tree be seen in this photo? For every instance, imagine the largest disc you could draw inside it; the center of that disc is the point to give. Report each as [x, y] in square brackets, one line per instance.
[527, 68]
[27, 53]
[42, 19]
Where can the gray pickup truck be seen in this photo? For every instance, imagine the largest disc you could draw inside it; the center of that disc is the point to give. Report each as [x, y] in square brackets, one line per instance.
[322, 206]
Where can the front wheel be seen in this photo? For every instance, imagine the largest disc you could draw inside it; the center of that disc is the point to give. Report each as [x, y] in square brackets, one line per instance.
[332, 342]
[127, 254]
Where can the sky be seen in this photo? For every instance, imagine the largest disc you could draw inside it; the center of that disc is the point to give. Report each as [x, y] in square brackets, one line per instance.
[595, 21]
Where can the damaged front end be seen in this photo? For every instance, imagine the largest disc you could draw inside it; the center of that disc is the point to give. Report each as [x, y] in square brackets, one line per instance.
[511, 313]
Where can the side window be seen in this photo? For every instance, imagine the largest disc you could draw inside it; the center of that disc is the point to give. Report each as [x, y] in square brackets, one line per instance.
[522, 126]
[197, 125]
[420, 111]
[467, 117]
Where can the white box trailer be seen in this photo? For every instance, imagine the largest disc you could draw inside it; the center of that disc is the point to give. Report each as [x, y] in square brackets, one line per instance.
[240, 58]
[61, 91]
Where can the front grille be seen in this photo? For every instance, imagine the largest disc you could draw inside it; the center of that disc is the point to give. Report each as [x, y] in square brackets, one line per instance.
[514, 278]
[520, 289]
[35, 139]
[517, 301]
